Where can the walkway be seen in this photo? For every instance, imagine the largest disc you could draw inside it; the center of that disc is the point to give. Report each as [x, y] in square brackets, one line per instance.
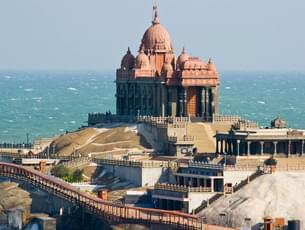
[111, 212]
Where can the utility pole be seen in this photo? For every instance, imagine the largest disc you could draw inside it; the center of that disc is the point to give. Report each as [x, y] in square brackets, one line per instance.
[27, 140]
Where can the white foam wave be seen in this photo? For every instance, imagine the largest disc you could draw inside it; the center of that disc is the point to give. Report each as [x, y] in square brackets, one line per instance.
[261, 102]
[72, 122]
[61, 130]
[28, 90]
[50, 118]
[72, 89]
[7, 77]
[56, 108]
[227, 87]
[13, 99]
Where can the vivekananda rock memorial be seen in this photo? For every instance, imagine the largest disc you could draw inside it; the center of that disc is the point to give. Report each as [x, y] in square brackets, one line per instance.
[158, 83]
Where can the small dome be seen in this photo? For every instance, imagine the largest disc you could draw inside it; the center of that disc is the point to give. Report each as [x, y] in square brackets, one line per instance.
[278, 123]
[183, 57]
[194, 63]
[142, 61]
[156, 37]
[211, 65]
[128, 60]
[167, 67]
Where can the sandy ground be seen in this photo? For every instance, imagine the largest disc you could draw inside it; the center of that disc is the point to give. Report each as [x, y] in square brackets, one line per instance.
[95, 140]
[11, 197]
[278, 195]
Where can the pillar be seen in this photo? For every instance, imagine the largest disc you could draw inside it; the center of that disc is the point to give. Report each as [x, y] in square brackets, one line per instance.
[212, 105]
[181, 104]
[248, 148]
[302, 147]
[289, 148]
[202, 102]
[185, 181]
[212, 184]
[231, 146]
[226, 146]
[206, 107]
[217, 146]
[262, 147]
[185, 102]
[238, 142]
[275, 147]
[221, 146]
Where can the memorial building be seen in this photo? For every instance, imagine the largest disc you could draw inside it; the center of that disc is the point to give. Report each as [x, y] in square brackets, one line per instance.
[158, 83]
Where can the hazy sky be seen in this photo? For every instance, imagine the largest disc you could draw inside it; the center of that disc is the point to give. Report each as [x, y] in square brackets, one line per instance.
[94, 34]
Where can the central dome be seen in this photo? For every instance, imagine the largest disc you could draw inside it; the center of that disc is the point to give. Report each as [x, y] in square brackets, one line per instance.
[156, 37]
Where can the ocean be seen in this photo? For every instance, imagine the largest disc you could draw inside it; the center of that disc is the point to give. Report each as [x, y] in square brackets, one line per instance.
[46, 103]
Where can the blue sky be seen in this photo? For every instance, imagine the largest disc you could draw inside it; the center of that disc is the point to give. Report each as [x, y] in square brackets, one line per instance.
[94, 34]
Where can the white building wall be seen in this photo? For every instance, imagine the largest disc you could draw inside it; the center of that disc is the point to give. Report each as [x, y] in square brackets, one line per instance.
[139, 176]
[196, 198]
[236, 177]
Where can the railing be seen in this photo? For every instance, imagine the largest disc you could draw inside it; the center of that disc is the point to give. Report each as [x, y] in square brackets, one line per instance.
[237, 187]
[217, 118]
[16, 146]
[111, 212]
[184, 138]
[247, 180]
[77, 162]
[36, 156]
[137, 164]
[180, 188]
[205, 165]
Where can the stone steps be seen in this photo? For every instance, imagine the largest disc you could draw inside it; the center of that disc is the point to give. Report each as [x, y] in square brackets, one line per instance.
[203, 137]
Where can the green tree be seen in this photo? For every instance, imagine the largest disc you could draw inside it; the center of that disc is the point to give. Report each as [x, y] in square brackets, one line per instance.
[76, 176]
[60, 171]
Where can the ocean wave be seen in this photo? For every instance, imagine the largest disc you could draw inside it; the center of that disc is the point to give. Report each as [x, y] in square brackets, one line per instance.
[72, 89]
[56, 108]
[72, 122]
[227, 87]
[61, 130]
[36, 98]
[7, 77]
[28, 90]
[50, 118]
[13, 99]
[261, 102]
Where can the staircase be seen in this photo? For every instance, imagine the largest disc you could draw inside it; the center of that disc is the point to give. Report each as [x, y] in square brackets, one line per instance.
[203, 137]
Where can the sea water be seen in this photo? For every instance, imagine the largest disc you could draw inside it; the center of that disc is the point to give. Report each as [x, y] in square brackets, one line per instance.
[45, 103]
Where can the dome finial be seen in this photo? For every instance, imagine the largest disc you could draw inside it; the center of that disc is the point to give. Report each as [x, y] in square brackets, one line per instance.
[183, 50]
[155, 15]
[128, 50]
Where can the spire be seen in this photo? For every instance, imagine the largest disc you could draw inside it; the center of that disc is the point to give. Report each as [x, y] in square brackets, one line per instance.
[128, 50]
[156, 19]
[210, 61]
[183, 50]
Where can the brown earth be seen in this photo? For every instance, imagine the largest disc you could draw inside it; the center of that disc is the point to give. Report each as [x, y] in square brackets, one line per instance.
[91, 140]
